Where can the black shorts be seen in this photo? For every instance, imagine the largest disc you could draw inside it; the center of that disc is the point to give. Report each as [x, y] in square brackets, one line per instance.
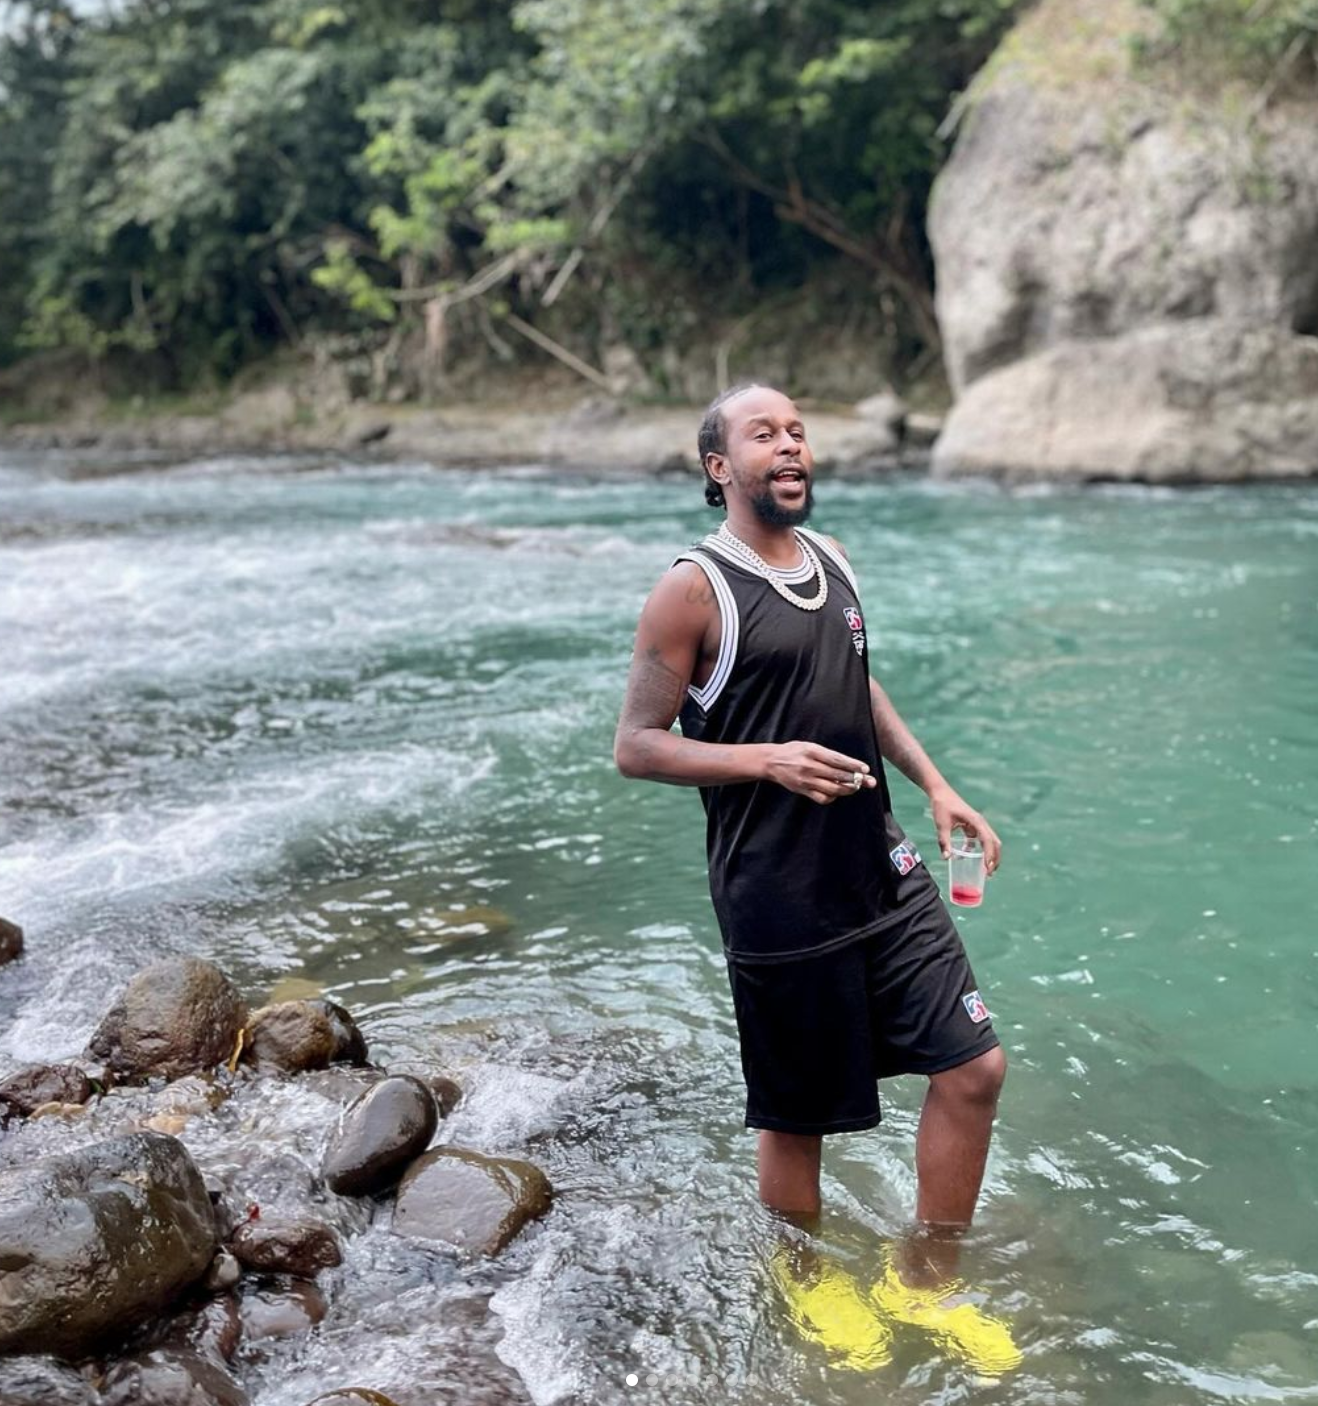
[818, 1032]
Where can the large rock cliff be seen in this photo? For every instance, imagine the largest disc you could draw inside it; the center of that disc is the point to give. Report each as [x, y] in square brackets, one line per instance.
[1127, 264]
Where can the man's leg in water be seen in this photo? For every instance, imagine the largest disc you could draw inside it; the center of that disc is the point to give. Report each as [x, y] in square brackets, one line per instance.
[789, 1175]
[822, 1298]
[951, 1149]
[919, 1286]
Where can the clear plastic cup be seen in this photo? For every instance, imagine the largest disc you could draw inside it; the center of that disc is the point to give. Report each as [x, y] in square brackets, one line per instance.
[965, 872]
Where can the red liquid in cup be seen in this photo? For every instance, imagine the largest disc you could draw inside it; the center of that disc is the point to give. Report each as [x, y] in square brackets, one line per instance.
[967, 897]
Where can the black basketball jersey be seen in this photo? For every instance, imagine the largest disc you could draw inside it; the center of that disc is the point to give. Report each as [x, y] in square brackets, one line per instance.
[790, 877]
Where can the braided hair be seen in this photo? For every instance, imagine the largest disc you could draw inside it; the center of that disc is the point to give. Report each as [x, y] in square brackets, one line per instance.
[713, 436]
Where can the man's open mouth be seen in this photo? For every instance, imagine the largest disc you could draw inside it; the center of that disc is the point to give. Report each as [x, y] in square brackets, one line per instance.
[789, 476]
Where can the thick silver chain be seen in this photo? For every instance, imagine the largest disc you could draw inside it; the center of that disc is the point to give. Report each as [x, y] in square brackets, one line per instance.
[756, 563]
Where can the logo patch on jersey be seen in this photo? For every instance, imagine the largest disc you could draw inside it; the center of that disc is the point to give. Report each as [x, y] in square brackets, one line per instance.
[856, 625]
[975, 1007]
[905, 857]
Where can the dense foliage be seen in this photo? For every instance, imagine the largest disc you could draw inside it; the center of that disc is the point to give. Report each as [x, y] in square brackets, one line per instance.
[188, 183]
[1269, 41]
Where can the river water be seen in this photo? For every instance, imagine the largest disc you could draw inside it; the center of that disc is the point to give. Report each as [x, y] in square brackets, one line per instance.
[349, 725]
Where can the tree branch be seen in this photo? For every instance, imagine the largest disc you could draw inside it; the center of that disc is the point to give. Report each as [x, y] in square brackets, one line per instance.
[556, 349]
[792, 204]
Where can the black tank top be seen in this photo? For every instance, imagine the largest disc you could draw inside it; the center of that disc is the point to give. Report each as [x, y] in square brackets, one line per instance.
[790, 877]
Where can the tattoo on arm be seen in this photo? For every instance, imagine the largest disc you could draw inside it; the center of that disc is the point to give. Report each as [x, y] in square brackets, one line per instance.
[654, 692]
[700, 592]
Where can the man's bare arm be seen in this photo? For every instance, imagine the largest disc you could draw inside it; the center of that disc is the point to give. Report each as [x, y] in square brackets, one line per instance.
[668, 639]
[897, 744]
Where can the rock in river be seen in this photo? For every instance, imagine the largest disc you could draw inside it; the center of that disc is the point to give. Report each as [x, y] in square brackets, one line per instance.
[96, 1241]
[354, 1396]
[41, 1381]
[27, 1089]
[474, 1203]
[281, 1310]
[170, 1376]
[277, 1246]
[379, 1135]
[11, 941]
[180, 1016]
[297, 1035]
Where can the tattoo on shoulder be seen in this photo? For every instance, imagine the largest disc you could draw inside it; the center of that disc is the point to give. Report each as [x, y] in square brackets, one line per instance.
[700, 592]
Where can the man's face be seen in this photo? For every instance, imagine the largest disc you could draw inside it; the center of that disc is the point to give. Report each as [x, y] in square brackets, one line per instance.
[768, 463]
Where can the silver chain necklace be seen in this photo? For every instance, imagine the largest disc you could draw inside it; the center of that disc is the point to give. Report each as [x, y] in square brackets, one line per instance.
[753, 561]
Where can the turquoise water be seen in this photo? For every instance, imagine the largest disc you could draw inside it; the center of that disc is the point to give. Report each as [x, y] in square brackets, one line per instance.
[351, 724]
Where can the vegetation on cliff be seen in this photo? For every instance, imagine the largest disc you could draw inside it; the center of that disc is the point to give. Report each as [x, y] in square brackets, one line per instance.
[185, 186]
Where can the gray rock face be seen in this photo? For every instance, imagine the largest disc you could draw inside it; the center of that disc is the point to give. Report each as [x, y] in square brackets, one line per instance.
[295, 1035]
[1176, 403]
[286, 1246]
[379, 1135]
[180, 1016]
[473, 1203]
[11, 941]
[1108, 236]
[94, 1242]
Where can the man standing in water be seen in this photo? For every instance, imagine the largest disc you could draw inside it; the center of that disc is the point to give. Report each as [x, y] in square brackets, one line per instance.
[844, 964]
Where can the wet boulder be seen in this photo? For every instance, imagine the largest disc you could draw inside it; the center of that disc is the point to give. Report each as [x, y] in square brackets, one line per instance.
[279, 1187]
[213, 1328]
[180, 1016]
[96, 1241]
[41, 1381]
[11, 941]
[25, 1090]
[281, 1310]
[341, 1083]
[295, 1035]
[447, 1092]
[349, 1042]
[170, 1376]
[286, 1246]
[471, 1202]
[224, 1272]
[177, 1104]
[354, 1396]
[379, 1136]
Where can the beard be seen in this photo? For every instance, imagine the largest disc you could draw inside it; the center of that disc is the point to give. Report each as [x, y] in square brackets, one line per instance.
[770, 512]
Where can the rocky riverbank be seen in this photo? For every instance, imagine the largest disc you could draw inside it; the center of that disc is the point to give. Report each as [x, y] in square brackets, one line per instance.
[191, 1188]
[557, 426]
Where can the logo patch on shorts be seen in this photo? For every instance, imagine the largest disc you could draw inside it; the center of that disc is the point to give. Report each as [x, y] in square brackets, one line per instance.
[905, 857]
[975, 1007]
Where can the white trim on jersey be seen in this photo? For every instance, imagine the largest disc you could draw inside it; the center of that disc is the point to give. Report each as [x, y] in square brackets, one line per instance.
[817, 539]
[729, 635]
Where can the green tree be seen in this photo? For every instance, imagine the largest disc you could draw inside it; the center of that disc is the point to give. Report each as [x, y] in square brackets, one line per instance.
[200, 182]
[35, 56]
